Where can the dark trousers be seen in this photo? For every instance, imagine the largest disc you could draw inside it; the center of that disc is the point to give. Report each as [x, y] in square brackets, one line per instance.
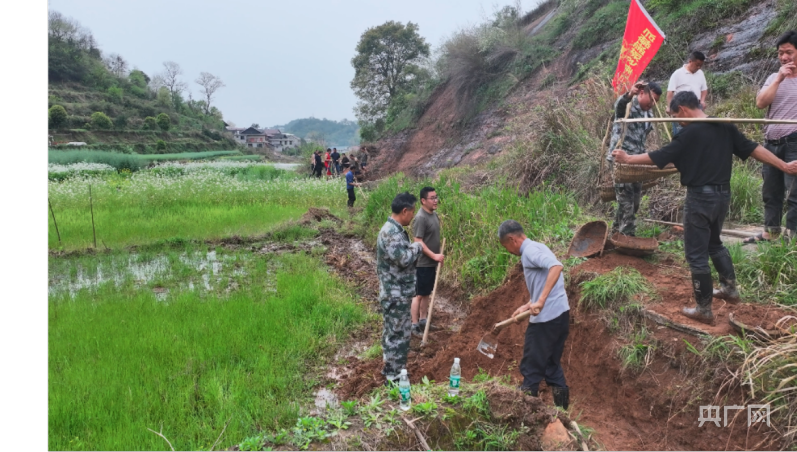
[704, 214]
[776, 182]
[542, 353]
[352, 198]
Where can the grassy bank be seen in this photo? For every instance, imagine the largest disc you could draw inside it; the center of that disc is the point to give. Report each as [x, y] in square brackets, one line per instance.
[181, 202]
[470, 223]
[122, 361]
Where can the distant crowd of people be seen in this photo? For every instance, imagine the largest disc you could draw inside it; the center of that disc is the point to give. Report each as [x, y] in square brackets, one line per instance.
[334, 164]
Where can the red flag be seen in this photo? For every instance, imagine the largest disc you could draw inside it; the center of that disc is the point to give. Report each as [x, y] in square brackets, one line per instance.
[641, 41]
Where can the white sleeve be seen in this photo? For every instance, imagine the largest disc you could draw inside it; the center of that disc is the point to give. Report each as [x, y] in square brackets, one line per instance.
[673, 82]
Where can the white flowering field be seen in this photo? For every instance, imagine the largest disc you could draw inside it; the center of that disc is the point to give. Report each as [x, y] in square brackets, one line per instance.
[188, 201]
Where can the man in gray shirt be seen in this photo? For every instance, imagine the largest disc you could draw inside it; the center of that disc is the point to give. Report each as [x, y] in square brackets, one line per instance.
[549, 323]
[426, 230]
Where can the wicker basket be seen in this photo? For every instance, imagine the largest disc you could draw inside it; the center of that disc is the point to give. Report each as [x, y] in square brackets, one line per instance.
[624, 173]
[634, 246]
[608, 194]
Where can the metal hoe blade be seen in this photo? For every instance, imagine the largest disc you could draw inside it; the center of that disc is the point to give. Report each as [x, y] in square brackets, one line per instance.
[488, 345]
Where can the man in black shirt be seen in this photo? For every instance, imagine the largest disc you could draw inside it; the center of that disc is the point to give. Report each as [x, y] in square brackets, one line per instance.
[335, 163]
[319, 164]
[703, 153]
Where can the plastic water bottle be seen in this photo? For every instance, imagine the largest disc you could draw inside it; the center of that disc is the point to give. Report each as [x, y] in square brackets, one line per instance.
[453, 380]
[404, 390]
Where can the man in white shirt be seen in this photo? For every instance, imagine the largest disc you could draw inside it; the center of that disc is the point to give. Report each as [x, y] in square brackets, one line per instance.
[690, 77]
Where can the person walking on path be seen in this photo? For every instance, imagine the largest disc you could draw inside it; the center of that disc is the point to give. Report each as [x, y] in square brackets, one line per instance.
[350, 184]
[549, 323]
[426, 231]
[335, 161]
[703, 153]
[779, 97]
[395, 267]
[640, 100]
[689, 77]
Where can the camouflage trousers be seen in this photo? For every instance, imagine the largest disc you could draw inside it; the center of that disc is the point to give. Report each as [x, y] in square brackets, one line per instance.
[395, 335]
[628, 199]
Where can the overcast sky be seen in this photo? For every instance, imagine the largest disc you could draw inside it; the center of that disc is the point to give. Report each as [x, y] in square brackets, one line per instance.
[280, 60]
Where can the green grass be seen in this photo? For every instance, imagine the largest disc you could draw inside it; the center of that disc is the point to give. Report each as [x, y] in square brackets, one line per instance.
[469, 222]
[120, 361]
[768, 273]
[132, 162]
[616, 287]
[148, 206]
[746, 206]
[607, 23]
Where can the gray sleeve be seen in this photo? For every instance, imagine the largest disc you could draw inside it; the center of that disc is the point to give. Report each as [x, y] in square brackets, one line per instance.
[419, 227]
[541, 258]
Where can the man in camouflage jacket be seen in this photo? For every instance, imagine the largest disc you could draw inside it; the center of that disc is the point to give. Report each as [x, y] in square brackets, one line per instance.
[395, 267]
[641, 100]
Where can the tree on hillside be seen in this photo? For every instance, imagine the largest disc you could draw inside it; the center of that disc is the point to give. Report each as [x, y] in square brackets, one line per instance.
[116, 64]
[57, 116]
[209, 84]
[386, 56]
[170, 78]
[72, 51]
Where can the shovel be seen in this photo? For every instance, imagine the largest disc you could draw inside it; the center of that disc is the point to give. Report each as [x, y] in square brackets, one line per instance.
[489, 343]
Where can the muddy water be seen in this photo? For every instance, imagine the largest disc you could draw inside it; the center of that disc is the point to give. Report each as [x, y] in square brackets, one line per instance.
[207, 272]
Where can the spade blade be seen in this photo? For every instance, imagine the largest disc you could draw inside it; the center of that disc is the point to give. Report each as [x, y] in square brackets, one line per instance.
[488, 345]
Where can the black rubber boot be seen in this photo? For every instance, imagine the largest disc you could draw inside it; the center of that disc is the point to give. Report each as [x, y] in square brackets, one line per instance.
[724, 265]
[561, 396]
[529, 391]
[703, 296]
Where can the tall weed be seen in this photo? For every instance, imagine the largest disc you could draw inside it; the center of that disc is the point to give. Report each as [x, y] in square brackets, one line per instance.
[470, 221]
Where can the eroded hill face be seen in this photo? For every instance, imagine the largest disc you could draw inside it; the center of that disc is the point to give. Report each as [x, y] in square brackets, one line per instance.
[739, 50]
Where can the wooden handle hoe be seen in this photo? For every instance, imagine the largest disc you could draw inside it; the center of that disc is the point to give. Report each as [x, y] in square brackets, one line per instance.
[489, 343]
[434, 291]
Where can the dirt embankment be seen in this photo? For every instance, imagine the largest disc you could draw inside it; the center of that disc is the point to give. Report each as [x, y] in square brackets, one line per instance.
[655, 408]
[443, 137]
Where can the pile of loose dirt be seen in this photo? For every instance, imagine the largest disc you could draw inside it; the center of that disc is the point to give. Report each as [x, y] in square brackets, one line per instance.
[315, 215]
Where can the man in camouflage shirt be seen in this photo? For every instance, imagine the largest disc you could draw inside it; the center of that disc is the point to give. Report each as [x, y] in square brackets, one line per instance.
[641, 100]
[395, 267]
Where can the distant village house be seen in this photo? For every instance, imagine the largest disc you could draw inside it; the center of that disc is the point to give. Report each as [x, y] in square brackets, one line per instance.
[260, 138]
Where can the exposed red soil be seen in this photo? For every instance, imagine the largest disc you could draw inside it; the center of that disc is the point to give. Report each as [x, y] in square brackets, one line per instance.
[629, 410]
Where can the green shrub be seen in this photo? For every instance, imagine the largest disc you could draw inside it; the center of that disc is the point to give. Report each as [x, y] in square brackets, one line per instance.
[160, 146]
[57, 116]
[164, 122]
[150, 123]
[115, 94]
[100, 120]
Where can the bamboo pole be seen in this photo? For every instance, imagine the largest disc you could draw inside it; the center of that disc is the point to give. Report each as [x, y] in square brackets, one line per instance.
[434, 291]
[733, 232]
[716, 120]
[91, 206]
[54, 222]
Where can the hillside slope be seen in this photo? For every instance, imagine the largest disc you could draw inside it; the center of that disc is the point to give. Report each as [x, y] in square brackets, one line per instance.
[575, 43]
[99, 100]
